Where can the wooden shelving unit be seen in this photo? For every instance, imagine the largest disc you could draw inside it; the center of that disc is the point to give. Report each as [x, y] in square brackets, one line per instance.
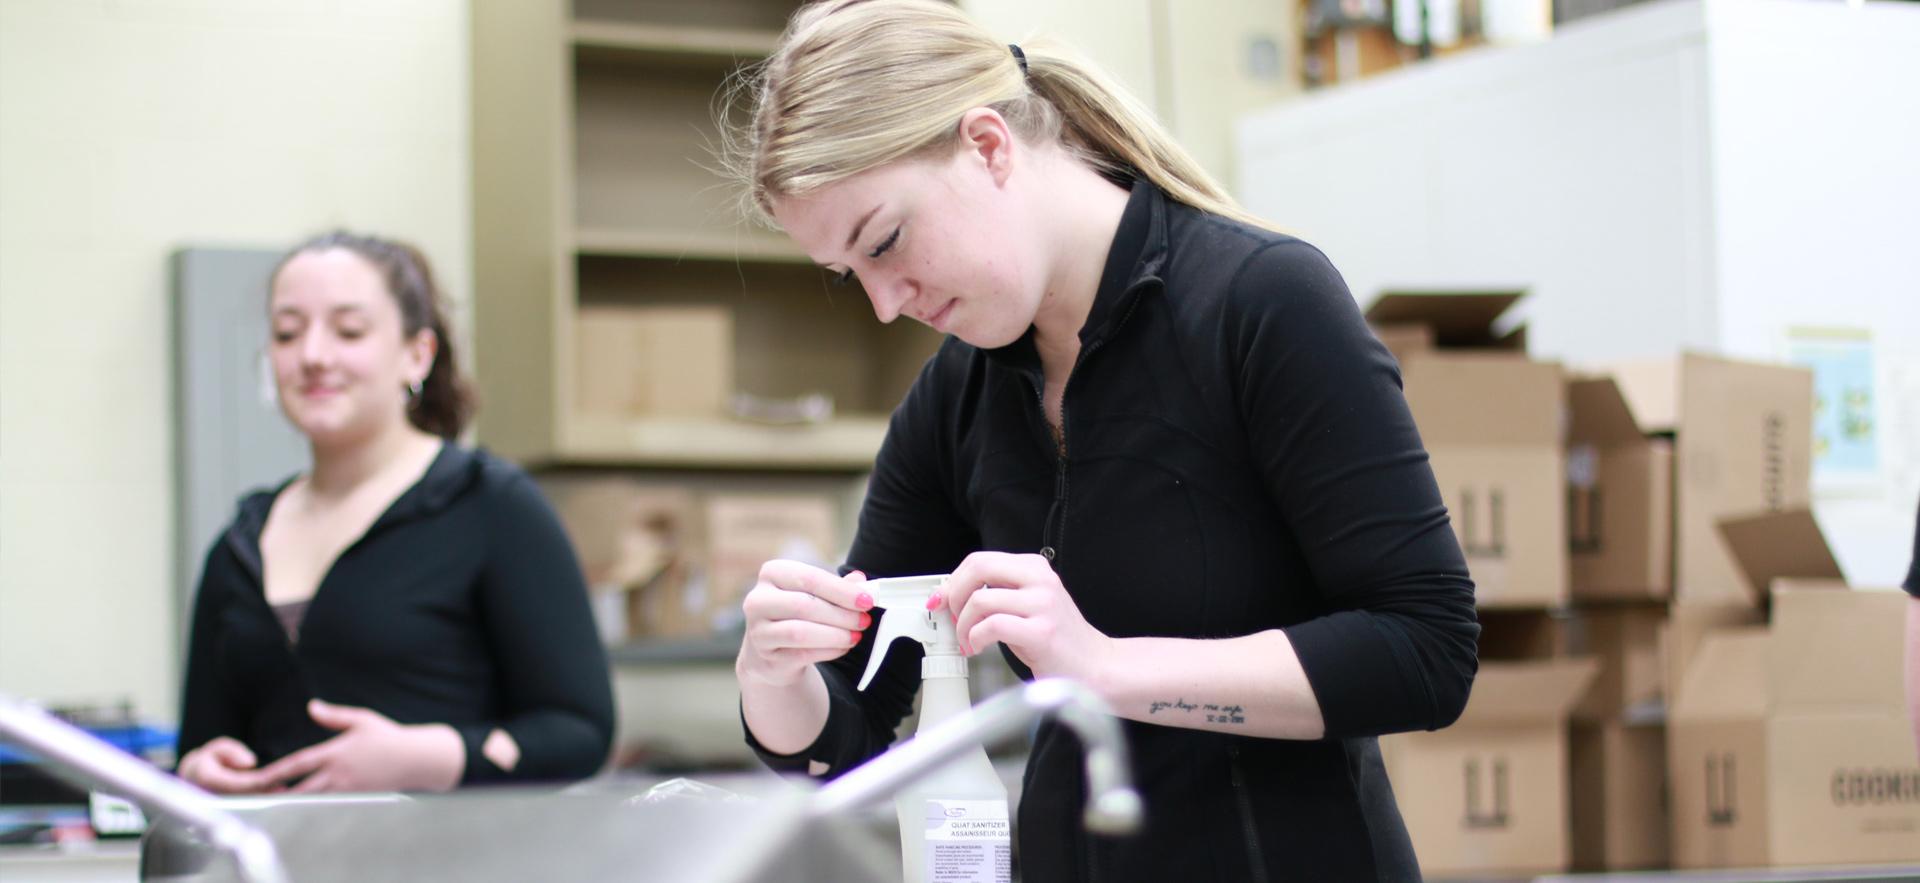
[594, 148]
[701, 245]
[645, 41]
[846, 444]
[718, 650]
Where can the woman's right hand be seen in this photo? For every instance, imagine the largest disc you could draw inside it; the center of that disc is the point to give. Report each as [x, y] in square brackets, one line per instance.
[224, 766]
[799, 615]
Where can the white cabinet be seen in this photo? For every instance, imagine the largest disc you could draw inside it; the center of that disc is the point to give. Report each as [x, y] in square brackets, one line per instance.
[1679, 174]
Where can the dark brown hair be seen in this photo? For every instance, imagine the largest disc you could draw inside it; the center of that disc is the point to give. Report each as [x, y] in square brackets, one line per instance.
[446, 401]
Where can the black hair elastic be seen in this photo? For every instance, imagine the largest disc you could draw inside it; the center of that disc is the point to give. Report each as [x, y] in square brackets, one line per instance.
[1019, 57]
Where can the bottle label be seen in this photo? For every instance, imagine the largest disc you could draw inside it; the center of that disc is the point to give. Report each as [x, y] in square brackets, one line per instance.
[968, 841]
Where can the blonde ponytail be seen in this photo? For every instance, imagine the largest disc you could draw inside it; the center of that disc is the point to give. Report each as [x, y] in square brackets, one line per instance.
[857, 84]
[1117, 134]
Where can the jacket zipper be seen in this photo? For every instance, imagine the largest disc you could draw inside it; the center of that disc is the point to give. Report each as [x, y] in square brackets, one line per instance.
[1254, 858]
[1050, 539]
[1049, 548]
[1093, 861]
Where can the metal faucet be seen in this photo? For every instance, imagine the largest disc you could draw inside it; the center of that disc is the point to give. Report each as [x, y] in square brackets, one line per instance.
[88, 762]
[1113, 806]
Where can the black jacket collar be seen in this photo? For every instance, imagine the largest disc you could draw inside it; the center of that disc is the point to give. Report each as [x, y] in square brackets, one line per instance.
[1134, 262]
[453, 471]
[1135, 258]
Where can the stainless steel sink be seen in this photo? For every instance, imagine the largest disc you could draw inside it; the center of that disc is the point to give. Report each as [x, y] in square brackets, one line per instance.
[615, 829]
[529, 835]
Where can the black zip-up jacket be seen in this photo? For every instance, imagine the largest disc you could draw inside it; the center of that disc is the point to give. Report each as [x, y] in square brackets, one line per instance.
[1238, 457]
[462, 604]
[1912, 583]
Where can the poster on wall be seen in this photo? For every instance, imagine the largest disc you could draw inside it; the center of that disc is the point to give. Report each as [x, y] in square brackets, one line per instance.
[1847, 454]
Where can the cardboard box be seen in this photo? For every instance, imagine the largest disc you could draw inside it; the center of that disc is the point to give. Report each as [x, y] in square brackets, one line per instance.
[1687, 627]
[1525, 635]
[1491, 420]
[1789, 743]
[1448, 320]
[1619, 498]
[1405, 340]
[637, 546]
[1491, 427]
[1619, 796]
[1774, 549]
[1623, 640]
[1488, 795]
[653, 361]
[747, 530]
[1759, 783]
[1743, 438]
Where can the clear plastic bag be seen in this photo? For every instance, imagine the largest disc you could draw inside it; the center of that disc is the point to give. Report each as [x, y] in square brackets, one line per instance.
[686, 789]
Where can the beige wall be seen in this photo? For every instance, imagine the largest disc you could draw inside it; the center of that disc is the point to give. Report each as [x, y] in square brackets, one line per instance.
[1114, 33]
[1207, 44]
[129, 129]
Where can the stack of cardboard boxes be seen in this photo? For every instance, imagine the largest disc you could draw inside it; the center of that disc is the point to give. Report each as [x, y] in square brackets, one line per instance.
[1789, 742]
[1658, 453]
[1620, 540]
[1609, 521]
[666, 561]
[1488, 795]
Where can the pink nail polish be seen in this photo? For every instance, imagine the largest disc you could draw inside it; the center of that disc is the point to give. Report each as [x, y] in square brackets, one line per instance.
[863, 601]
[856, 637]
[866, 619]
[934, 601]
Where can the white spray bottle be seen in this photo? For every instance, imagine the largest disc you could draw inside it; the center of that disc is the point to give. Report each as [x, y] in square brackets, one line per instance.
[953, 823]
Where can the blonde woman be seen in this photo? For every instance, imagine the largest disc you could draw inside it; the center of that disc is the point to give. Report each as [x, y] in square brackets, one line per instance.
[1160, 453]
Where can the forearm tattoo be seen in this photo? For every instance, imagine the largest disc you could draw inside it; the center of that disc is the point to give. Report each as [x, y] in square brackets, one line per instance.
[1215, 714]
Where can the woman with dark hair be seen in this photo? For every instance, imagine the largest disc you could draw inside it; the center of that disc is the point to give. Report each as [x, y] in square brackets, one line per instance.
[407, 614]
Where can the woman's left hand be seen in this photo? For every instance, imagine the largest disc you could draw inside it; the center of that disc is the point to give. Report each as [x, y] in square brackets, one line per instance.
[372, 753]
[1019, 601]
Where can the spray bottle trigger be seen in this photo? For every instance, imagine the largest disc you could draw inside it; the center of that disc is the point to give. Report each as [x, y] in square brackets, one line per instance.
[892, 626]
[903, 615]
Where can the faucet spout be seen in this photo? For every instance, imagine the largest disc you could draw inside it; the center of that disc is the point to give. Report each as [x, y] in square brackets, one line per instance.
[91, 762]
[1113, 806]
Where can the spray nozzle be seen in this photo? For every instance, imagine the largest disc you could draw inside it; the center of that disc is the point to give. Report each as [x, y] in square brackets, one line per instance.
[903, 601]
